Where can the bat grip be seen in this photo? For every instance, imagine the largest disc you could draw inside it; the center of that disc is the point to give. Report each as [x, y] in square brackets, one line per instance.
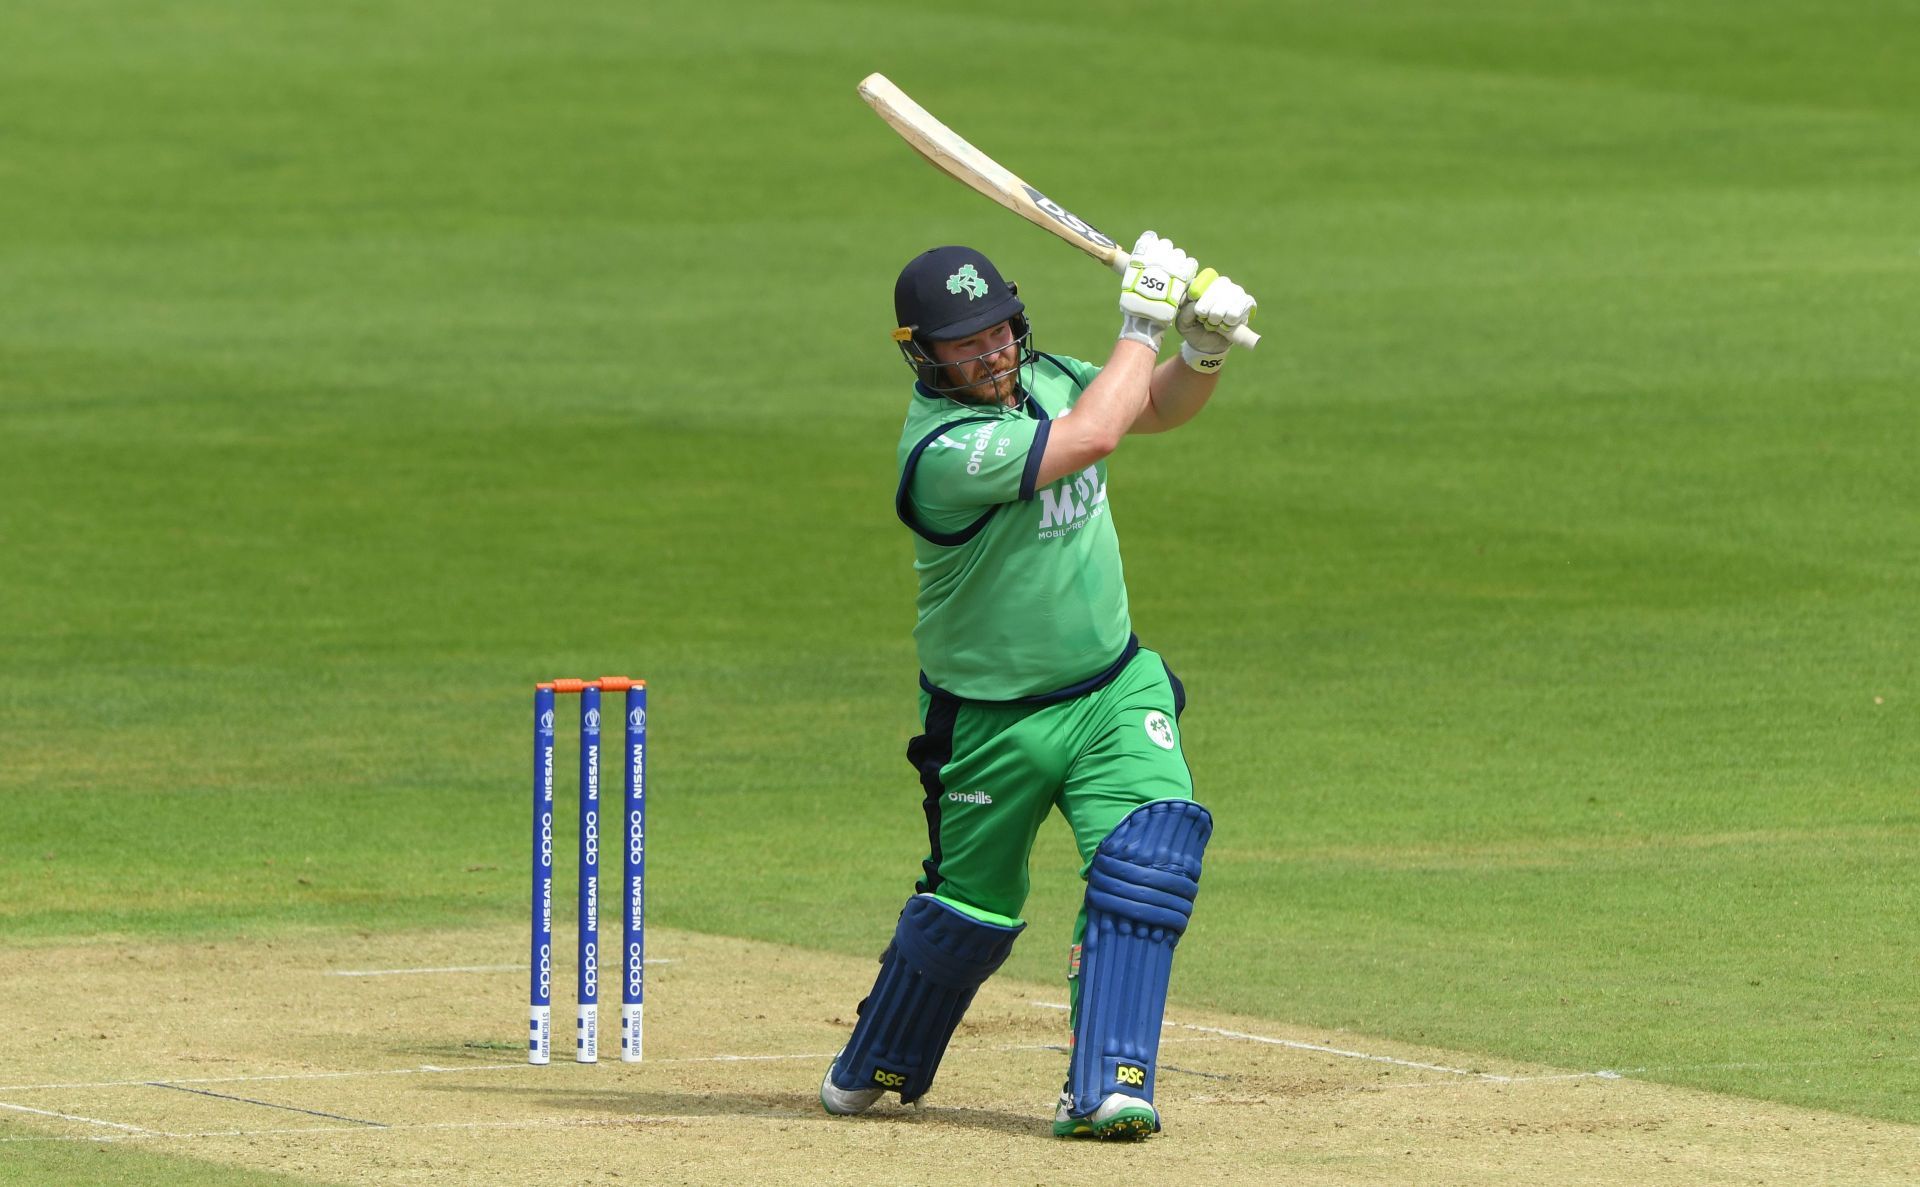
[1241, 335]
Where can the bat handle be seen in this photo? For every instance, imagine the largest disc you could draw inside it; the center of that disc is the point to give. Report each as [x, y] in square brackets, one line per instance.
[1241, 336]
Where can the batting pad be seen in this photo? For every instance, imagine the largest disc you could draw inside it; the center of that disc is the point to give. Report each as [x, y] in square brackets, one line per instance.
[928, 975]
[1140, 892]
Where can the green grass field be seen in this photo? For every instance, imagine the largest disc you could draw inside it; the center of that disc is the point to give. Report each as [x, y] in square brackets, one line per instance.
[1544, 585]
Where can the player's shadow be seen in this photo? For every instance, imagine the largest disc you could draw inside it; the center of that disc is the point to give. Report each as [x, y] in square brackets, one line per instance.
[574, 1103]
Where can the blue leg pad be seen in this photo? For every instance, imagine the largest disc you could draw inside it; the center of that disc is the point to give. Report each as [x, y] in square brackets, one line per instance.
[1140, 891]
[928, 975]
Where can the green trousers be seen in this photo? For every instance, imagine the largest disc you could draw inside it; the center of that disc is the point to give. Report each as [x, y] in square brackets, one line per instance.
[992, 773]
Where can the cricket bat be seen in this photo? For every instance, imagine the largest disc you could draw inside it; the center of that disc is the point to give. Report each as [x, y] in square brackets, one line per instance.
[948, 152]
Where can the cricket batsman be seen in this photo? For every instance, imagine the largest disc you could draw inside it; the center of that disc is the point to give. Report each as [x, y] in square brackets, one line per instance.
[1035, 693]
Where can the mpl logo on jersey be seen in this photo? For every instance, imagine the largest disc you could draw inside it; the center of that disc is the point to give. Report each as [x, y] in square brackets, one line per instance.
[1072, 503]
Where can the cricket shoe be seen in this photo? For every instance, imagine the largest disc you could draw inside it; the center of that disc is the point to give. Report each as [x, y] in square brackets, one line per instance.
[845, 1102]
[1119, 1118]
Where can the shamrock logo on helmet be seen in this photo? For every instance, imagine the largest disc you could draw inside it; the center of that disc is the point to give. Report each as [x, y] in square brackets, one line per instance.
[967, 281]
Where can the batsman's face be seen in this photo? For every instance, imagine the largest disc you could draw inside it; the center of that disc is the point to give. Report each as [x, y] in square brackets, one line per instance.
[985, 366]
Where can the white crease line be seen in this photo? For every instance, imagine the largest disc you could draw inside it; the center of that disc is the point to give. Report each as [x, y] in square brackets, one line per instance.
[77, 1117]
[134, 1132]
[1430, 1085]
[147, 1135]
[463, 968]
[535, 1123]
[425, 1069]
[1297, 1045]
[432, 1070]
[1489, 1077]
[460, 968]
[742, 1058]
[831, 1054]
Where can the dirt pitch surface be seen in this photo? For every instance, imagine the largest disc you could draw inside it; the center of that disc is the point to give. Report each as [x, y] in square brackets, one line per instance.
[400, 1060]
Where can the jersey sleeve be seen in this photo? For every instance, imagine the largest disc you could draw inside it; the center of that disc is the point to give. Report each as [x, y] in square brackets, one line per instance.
[972, 466]
[1082, 372]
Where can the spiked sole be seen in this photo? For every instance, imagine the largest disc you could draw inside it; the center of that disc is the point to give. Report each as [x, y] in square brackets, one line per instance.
[1127, 1125]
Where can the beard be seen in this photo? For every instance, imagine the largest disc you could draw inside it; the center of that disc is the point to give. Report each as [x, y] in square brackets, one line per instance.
[994, 380]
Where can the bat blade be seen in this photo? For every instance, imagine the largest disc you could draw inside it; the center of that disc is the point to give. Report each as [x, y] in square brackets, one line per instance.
[953, 155]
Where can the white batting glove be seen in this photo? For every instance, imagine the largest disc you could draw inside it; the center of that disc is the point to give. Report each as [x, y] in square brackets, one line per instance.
[1152, 288]
[1214, 307]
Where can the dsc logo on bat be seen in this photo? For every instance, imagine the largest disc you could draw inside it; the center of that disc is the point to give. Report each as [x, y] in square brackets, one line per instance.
[1067, 218]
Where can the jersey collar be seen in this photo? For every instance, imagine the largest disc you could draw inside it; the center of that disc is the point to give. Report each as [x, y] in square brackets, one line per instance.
[1027, 403]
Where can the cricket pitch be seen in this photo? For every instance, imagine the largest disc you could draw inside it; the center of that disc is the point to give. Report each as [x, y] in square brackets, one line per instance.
[401, 1059]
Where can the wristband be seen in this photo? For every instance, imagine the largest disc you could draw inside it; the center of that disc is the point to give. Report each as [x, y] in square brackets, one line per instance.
[1200, 360]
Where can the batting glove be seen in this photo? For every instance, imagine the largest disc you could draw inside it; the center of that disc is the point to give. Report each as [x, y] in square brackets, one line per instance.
[1215, 305]
[1152, 288]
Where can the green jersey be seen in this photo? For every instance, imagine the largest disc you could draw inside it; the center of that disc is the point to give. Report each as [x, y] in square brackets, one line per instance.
[1021, 592]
